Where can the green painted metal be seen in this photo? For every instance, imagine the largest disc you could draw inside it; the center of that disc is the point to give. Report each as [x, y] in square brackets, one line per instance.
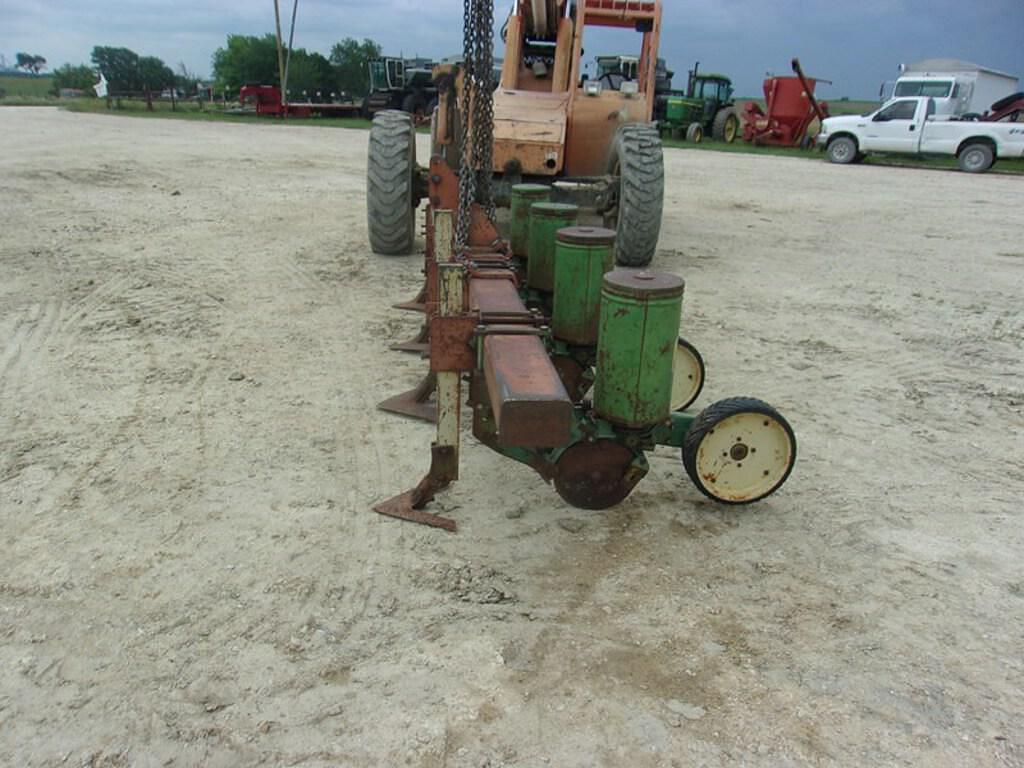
[639, 326]
[523, 196]
[582, 257]
[545, 220]
[673, 431]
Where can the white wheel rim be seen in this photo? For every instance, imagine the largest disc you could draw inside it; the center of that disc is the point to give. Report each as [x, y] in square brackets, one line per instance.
[686, 377]
[975, 159]
[744, 457]
[840, 151]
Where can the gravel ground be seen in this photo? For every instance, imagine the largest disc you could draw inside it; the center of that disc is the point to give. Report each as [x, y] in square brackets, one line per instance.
[193, 335]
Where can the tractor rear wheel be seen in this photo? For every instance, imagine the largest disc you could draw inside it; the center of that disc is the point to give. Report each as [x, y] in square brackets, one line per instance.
[726, 125]
[636, 159]
[391, 167]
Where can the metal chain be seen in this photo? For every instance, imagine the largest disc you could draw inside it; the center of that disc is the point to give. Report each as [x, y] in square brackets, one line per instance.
[477, 115]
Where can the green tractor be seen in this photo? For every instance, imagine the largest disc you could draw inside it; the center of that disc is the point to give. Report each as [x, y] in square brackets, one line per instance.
[705, 108]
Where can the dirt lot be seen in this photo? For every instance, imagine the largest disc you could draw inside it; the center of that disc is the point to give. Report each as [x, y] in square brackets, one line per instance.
[193, 335]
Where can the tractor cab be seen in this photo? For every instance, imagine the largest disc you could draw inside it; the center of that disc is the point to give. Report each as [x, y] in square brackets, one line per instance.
[713, 91]
[387, 74]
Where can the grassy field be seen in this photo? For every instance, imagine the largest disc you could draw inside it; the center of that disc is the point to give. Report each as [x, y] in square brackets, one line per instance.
[22, 88]
[188, 110]
[191, 111]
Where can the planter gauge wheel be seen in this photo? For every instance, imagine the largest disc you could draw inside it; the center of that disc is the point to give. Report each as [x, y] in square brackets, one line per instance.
[739, 450]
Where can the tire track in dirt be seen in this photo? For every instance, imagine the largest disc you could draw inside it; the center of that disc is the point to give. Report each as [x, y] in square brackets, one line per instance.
[29, 341]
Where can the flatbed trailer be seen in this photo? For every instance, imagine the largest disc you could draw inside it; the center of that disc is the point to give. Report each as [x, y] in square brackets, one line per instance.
[268, 103]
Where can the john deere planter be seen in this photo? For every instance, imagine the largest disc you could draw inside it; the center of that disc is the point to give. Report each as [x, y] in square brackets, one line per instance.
[533, 357]
[573, 366]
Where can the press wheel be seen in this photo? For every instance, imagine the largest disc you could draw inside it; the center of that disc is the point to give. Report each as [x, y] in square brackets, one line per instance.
[739, 450]
[596, 475]
[687, 375]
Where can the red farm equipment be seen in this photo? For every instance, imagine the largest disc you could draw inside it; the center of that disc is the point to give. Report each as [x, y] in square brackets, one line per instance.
[791, 110]
[268, 103]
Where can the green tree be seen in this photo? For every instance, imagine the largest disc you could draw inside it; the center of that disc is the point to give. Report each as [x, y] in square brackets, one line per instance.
[350, 58]
[246, 59]
[80, 77]
[120, 66]
[33, 63]
[309, 73]
[154, 75]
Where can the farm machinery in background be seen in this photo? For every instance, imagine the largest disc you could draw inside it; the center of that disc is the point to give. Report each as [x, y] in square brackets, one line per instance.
[267, 101]
[405, 84]
[573, 367]
[705, 108]
[595, 146]
[791, 107]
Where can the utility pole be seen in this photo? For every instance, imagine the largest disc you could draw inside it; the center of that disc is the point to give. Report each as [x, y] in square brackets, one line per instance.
[280, 57]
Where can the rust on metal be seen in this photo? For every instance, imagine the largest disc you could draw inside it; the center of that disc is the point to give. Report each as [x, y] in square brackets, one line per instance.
[451, 343]
[495, 296]
[444, 469]
[596, 475]
[573, 375]
[416, 403]
[531, 407]
[418, 344]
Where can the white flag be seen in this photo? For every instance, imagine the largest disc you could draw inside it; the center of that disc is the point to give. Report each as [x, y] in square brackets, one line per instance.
[101, 87]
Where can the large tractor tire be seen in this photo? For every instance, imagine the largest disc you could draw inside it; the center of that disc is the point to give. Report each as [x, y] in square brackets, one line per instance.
[636, 159]
[391, 167]
[726, 125]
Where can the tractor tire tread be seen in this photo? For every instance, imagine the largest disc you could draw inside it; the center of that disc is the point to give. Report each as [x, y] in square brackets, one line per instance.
[391, 161]
[638, 153]
[721, 120]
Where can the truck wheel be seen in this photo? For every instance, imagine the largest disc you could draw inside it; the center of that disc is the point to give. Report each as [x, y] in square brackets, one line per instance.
[695, 133]
[739, 450]
[842, 150]
[391, 165]
[412, 105]
[975, 158]
[636, 159]
[726, 125]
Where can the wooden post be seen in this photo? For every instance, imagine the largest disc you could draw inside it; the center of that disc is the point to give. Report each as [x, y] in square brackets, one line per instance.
[451, 280]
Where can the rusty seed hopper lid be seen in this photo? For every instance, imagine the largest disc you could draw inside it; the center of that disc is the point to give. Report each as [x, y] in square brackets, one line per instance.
[595, 236]
[531, 190]
[641, 284]
[554, 210]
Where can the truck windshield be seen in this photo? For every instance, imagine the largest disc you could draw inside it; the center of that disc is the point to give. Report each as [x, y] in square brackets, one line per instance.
[936, 89]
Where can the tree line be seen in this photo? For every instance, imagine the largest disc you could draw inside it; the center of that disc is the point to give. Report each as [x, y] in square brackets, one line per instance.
[251, 59]
[125, 71]
[243, 59]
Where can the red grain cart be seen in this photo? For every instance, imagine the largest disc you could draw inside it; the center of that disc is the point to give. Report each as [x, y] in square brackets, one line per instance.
[791, 110]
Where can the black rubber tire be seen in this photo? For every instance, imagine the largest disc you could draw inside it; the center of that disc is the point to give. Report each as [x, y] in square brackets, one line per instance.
[724, 118]
[410, 102]
[391, 164]
[976, 158]
[705, 423]
[842, 150]
[636, 157]
[695, 133]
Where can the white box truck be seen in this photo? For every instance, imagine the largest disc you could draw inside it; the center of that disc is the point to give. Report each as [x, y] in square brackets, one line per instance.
[960, 89]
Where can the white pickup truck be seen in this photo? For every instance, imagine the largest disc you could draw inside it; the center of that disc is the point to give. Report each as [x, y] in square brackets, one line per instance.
[907, 126]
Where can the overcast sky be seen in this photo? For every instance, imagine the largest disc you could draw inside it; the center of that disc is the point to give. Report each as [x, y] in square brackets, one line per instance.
[856, 44]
